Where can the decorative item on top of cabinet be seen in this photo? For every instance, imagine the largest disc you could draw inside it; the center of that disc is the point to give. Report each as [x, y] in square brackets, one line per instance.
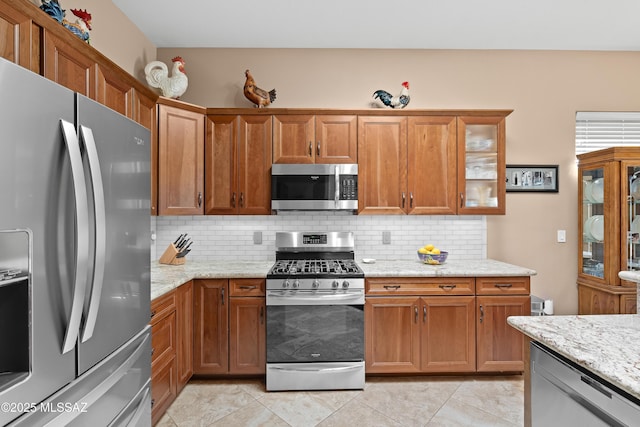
[79, 26]
[259, 97]
[400, 101]
[181, 130]
[157, 75]
[609, 225]
[238, 159]
[315, 138]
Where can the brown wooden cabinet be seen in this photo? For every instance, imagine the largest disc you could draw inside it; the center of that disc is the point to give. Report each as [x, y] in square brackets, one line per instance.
[229, 327]
[238, 165]
[163, 354]
[181, 130]
[500, 348]
[67, 66]
[309, 138]
[420, 325]
[184, 334]
[19, 38]
[609, 224]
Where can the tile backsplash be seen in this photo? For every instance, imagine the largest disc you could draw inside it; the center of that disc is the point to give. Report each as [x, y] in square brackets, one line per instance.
[231, 237]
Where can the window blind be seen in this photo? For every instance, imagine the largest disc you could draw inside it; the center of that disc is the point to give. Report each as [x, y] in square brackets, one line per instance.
[598, 130]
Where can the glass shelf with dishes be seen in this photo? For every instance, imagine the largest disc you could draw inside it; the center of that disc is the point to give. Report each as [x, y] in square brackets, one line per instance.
[633, 226]
[593, 222]
[481, 165]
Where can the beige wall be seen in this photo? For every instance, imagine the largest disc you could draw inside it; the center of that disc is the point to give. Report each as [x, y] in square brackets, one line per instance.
[114, 35]
[544, 89]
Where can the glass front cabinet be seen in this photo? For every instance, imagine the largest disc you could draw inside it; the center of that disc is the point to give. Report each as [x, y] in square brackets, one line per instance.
[608, 229]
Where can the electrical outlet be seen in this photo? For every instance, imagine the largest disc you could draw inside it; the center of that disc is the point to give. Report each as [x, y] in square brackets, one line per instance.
[562, 236]
[257, 237]
[386, 237]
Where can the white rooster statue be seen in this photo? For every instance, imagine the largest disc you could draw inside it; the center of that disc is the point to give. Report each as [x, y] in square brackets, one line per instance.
[399, 101]
[157, 75]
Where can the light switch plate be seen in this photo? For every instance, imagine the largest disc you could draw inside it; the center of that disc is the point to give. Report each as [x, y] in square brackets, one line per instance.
[257, 237]
[386, 237]
[562, 236]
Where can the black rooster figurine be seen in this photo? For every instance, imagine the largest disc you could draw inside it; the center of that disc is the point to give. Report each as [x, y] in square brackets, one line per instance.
[399, 101]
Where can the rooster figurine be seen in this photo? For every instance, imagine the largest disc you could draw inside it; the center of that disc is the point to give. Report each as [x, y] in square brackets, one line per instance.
[157, 75]
[399, 101]
[80, 26]
[260, 97]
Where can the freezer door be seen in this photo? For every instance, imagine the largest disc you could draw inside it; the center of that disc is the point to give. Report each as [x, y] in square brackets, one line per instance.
[118, 162]
[105, 395]
[37, 194]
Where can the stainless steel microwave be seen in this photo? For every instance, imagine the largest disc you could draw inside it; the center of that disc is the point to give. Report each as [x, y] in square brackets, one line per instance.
[314, 187]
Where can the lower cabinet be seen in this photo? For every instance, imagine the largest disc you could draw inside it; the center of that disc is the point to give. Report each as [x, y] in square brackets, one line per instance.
[414, 333]
[172, 347]
[501, 348]
[606, 299]
[229, 322]
[444, 325]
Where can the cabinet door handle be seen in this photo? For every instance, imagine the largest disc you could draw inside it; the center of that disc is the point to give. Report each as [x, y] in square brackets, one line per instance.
[310, 148]
[392, 287]
[222, 294]
[403, 199]
[503, 285]
[318, 149]
[411, 199]
[424, 314]
[447, 287]
[415, 309]
[262, 315]
[248, 287]
[241, 199]
[153, 313]
[233, 200]
[461, 200]
[481, 313]
[199, 198]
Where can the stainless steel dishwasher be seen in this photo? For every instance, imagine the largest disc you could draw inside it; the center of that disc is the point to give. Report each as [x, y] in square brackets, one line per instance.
[565, 394]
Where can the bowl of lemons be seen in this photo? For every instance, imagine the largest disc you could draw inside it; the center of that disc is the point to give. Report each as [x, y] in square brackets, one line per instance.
[429, 254]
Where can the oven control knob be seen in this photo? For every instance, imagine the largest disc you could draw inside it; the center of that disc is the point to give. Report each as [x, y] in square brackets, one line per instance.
[335, 284]
[345, 284]
[285, 284]
[296, 284]
[315, 284]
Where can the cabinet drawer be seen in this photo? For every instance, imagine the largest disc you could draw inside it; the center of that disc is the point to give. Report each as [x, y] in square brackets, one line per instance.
[161, 306]
[163, 338]
[420, 286]
[246, 287]
[163, 388]
[503, 285]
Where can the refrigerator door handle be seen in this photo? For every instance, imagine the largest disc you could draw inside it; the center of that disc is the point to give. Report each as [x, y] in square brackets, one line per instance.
[82, 238]
[100, 231]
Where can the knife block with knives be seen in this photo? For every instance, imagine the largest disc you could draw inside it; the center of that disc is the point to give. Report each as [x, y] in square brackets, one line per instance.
[176, 252]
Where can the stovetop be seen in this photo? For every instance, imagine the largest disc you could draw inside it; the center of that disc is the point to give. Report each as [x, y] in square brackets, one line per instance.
[326, 268]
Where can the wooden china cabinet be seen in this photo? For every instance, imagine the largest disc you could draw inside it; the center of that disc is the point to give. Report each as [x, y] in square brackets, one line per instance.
[609, 229]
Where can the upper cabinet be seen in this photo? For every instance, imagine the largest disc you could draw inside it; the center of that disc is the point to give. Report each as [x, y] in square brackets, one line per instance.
[181, 129]
[481, 164]
[432, 163]
[609, 226]
[308, 138]
[238, 165]
[19, 38]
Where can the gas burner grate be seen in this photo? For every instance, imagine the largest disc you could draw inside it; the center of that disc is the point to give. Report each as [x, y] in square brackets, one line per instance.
[316, 266]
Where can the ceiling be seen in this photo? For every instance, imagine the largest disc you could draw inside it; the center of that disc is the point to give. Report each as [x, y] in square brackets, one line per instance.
[399, 24]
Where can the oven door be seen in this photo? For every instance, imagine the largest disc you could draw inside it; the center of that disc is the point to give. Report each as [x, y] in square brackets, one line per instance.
[315, 326]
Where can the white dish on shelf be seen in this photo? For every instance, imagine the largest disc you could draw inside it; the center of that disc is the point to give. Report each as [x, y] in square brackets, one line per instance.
[635, 189]
[596, 227]
[635, 224]
[586, 191]
[586, 229]
[597, 190]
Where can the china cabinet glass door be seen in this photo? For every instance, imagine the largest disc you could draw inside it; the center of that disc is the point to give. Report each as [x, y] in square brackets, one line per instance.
[482, 177]
[631, 217]
[593, 222]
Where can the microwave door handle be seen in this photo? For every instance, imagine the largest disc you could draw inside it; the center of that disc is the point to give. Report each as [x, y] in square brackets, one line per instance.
[82, 238]
[100, 231]
[337, 195]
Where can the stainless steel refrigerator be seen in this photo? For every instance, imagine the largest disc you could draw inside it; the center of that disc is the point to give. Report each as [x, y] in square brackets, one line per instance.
[75, 348]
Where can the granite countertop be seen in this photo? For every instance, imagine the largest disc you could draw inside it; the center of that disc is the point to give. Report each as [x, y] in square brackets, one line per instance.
[607, 345]
[164, 278]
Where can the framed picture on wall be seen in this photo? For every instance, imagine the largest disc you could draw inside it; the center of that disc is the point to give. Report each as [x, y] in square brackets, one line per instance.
[532, 178]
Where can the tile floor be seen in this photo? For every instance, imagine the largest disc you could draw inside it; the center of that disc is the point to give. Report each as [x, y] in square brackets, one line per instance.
[399, 401]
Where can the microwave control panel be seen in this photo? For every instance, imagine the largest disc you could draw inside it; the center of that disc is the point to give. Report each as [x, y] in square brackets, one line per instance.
[349, 187]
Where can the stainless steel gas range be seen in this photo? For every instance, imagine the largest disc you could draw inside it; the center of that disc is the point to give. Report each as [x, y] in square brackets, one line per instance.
[315, 313]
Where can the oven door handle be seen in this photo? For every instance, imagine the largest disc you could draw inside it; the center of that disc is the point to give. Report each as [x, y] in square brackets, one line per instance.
[285, 296]
[316, 369]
